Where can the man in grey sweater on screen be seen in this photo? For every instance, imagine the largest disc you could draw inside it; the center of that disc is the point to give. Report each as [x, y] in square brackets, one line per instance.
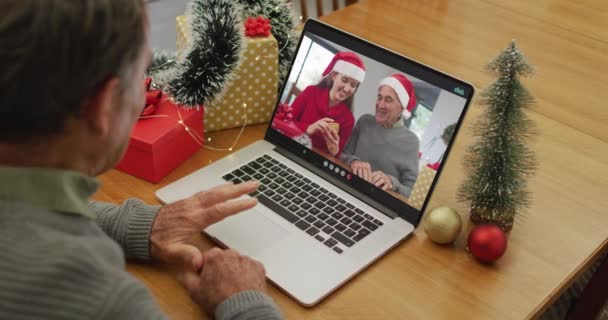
[381, 149]
[71, 91]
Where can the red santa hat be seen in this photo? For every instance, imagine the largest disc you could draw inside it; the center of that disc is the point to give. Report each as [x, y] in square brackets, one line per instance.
[348, 64]
[405, 92]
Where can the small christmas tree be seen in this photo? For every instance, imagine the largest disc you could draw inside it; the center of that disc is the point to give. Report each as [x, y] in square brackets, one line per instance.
[499, 164]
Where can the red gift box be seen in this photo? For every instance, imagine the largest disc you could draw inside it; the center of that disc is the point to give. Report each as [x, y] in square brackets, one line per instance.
[159, 142]
[283, 121]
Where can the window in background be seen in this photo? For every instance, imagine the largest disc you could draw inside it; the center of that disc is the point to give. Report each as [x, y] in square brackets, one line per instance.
[311, 60]
[317, 59]
[426, 97]
[421, 119]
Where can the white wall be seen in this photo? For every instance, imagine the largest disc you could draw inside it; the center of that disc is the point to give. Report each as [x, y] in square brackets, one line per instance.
[365, 97]
[162, 15]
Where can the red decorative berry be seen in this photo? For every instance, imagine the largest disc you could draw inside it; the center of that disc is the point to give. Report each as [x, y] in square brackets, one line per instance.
[257, 27]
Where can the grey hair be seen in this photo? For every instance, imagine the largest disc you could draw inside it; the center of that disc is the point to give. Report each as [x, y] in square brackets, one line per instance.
[56, 54]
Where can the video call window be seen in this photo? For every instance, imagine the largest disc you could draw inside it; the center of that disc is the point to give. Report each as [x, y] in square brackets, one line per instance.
[410, 158]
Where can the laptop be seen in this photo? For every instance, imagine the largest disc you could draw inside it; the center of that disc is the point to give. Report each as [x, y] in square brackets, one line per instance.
[317, 223]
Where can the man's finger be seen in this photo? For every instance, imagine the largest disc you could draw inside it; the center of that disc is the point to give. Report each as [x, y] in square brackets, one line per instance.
[367, 174]
[358, 172]
[226, 192]
[190, 255]
[375, 178]
[220, 211]
[189, 280]
[213, 252]
[388, 184]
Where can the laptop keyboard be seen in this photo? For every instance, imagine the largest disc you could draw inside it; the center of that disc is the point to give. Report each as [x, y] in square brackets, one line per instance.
[320, 213]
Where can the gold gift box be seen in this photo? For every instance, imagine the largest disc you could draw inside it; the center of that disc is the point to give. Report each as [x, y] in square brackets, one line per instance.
[421, 187]
[253, 92]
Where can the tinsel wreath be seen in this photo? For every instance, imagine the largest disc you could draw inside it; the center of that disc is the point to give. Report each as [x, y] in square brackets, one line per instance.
[218, 43]
[163, 68]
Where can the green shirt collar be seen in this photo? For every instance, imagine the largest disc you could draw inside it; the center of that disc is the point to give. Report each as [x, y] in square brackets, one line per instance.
[58, 190]
[400, 123]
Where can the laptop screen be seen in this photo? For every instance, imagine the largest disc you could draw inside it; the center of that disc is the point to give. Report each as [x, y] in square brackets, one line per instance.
[375, 121]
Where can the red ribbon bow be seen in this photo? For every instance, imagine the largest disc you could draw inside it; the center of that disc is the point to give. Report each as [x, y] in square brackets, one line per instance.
[257, 27]
[153, 97]
[434, 166]
[283, 121]
[285, 112]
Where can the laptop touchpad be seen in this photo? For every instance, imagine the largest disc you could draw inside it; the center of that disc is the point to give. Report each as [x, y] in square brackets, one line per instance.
[248, 232]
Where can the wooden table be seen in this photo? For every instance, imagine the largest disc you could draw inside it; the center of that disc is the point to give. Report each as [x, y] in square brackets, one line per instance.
[567, 225]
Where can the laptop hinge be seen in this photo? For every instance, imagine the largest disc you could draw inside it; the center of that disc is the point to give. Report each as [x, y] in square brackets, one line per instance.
[338, 183]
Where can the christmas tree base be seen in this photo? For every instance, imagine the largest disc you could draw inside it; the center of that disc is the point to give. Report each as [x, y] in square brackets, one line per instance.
[489, 216]
[499, 164]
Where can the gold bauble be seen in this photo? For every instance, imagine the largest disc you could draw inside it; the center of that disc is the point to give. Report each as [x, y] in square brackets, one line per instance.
[442, 225]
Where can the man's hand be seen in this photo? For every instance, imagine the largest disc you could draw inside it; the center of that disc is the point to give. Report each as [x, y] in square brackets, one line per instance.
[381, 180]
[224, 274]
[362, 169]
[178, 222]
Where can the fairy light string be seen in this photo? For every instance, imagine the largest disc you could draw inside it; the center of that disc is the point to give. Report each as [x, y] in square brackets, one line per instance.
[197, 138]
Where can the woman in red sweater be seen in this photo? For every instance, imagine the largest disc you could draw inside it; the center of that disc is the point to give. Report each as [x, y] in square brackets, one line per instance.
[324, 110]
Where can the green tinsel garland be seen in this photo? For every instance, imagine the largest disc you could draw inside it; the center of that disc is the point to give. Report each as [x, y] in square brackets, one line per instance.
[218, 43]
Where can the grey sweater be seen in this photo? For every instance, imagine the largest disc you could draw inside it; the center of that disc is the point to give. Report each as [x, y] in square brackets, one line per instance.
[393, 151]
[57, 261]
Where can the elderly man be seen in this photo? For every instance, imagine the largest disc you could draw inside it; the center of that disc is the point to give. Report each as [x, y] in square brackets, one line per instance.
[70, 92]
[381, 149]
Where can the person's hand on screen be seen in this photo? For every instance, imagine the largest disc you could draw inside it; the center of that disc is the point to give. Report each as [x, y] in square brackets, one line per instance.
[362, 169]
[320, 126]
[332, 140]
[381, 180]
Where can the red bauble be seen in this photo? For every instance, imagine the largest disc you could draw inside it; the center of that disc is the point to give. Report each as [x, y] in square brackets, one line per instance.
[487, 242]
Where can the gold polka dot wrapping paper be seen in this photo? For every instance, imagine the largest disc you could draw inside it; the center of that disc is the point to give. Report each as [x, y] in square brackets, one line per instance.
[253, 92]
